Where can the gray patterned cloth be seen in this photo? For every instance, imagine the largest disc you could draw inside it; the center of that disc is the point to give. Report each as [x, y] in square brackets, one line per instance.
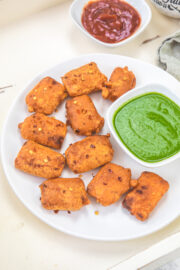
[169, 55]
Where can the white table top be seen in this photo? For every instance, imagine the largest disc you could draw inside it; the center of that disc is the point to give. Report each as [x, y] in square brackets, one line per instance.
[26, 48]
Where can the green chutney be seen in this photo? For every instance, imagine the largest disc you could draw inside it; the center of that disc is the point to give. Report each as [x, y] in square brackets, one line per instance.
[149, 126]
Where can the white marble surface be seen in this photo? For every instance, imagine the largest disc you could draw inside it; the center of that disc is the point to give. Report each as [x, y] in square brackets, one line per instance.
[175, 265]
[11, 11]
[28, 47]
[173, 262]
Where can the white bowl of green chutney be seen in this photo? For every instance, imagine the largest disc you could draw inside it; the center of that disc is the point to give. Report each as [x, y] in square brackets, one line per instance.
[145, 122]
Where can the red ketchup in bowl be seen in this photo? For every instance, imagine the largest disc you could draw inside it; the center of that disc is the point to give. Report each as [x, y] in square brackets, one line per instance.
[110, 21]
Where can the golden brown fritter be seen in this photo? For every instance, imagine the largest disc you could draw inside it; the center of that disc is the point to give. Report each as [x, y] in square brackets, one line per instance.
[89, 153]
[82, 116]
[63, 194]
[45, 96]
[109, 184]
[143, 198]
[84, 80]
[121, 81]
[39, 160]
[43, 130]
[133, 183]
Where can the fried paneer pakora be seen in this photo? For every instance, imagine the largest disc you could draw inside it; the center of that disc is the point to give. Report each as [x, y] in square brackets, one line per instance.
[63, 194]
[39, 160]
[133, 183]
[45, 96]
[145, 196]
[82, 116]
[121, 81]
[84, 80]
[89, 153]
[109, 184]
[43, 130]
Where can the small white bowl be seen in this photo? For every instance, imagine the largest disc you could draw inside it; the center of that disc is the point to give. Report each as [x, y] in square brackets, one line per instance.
[141, 6]
[138, 91]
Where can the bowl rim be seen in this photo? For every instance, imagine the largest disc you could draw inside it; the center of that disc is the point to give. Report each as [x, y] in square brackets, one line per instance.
[138, 91]
[168, 12]
[142, 27]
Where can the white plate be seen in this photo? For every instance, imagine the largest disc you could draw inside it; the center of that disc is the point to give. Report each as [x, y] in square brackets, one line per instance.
[141, 6]
[113, 223]
[130, 95]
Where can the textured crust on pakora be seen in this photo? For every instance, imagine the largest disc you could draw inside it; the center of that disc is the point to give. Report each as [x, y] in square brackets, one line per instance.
[39, 160]
[121, 81]
[45, 96]
[143, 198]
[84, 80]
[43, 130]
[82, 116]
[133, 183]
[109, 184]
[63, 194]
[89, 153]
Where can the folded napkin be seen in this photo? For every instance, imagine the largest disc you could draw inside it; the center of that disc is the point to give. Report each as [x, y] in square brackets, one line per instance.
[169, 55]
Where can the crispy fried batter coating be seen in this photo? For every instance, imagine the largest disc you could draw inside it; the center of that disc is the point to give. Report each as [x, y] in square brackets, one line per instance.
[39, 160]
[143, 198]
[133, 183]
[84, 80]
[121, 81]
[43, 130]
[83, 116]
[109, 184]
[63, 194]
[45, 96]
[89, 153]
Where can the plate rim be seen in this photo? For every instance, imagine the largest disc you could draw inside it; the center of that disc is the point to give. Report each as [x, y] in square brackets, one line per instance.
[33, 211]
